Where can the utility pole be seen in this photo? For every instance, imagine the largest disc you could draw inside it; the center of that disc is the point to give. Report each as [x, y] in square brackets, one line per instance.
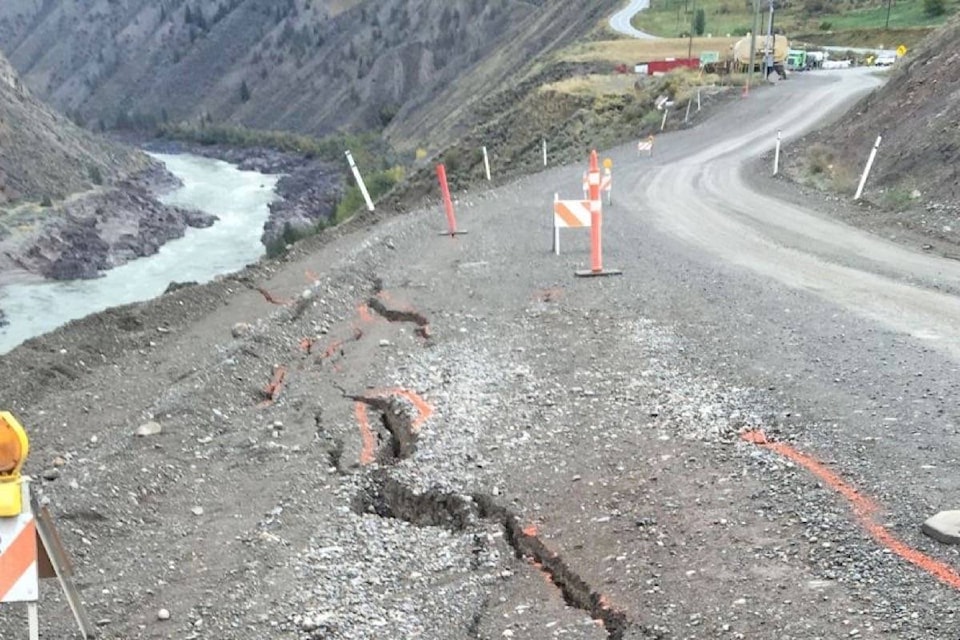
[753, 39]
[693, 18]
[887, 27]
[769, 46]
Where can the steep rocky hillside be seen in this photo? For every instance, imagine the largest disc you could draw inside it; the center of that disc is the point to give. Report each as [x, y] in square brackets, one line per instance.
[44, 155]
[302, 65]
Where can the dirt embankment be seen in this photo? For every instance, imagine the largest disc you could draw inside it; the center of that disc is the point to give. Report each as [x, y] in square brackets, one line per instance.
[914, 185]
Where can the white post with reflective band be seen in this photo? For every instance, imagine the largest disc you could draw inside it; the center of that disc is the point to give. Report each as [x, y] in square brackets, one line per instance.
[776, 156]
[359, 179]
[486, 163]
[866, 169]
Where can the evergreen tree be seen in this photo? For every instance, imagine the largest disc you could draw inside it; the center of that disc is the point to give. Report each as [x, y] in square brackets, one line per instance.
[934, 7]
[700, 22]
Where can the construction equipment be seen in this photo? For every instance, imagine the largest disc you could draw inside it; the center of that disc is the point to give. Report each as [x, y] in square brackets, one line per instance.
[775, 46]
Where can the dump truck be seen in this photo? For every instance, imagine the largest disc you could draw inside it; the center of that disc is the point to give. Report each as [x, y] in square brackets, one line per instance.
[777, 46]
[797, 60]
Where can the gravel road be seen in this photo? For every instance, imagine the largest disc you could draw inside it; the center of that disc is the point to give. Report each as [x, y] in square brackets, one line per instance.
[455, 438]
[620, 21]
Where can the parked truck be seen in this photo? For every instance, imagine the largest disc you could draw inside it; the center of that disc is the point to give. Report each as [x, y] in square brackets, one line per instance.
[776, 47]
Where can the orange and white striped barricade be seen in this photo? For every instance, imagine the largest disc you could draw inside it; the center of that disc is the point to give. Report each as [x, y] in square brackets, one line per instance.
[606, 184]
[571, 214]
[596, 224]
[19, 579]
[29, 546]
[645, 144]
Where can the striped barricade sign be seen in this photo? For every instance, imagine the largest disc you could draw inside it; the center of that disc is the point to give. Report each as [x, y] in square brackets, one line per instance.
[573, 214]
[645, 144]
[606, 185]
[19, 578]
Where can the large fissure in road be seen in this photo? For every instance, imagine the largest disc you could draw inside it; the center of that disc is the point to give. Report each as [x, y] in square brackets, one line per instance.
[388, 497]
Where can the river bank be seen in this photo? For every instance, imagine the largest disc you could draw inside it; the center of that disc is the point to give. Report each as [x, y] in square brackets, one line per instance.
[239, 201]
[309, 190]
[88, 233]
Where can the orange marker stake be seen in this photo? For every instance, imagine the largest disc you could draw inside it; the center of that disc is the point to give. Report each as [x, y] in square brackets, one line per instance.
[447, 203]
[596, 221]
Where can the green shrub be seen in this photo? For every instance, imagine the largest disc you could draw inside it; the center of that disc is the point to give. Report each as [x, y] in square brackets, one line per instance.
[378, 184]
[934, 8]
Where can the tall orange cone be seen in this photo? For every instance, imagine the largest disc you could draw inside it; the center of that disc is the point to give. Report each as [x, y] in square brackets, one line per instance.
[596, 221]
[452, 230]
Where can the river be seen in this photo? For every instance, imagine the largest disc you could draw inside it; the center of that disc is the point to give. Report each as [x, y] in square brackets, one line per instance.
[239, 198]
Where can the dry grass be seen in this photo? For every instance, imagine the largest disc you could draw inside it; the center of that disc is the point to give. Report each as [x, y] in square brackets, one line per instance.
[594, 85]
[631, 52]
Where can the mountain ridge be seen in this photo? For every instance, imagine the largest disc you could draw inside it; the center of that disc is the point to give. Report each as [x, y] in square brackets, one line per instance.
[308, 67]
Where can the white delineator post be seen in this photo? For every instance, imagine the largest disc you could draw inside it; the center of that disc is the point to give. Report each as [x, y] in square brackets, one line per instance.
[663, 123]
[486, 163]
[686, 118]
[698, 99]
[776, 156]
[866, 169]
[544, 152]
[359, 179]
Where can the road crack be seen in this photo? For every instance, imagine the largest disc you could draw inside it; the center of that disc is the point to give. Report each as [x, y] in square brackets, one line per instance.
[387, 497]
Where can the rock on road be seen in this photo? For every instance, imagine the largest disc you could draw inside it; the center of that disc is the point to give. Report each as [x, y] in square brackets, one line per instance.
[551, 456]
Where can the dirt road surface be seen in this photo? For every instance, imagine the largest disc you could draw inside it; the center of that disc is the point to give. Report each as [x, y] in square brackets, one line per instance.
[620, 21]
[455, 438]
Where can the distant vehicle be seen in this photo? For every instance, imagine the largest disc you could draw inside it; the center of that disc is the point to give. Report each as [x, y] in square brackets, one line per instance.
[885, 59]
[777, 48]
[797, 60]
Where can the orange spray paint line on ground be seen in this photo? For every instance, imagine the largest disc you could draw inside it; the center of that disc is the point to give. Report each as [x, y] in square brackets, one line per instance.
[331, 349]
[269, 297]
[274, 387]
[424, 409]
[366, 434]
[863, 507]
[364, 312]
